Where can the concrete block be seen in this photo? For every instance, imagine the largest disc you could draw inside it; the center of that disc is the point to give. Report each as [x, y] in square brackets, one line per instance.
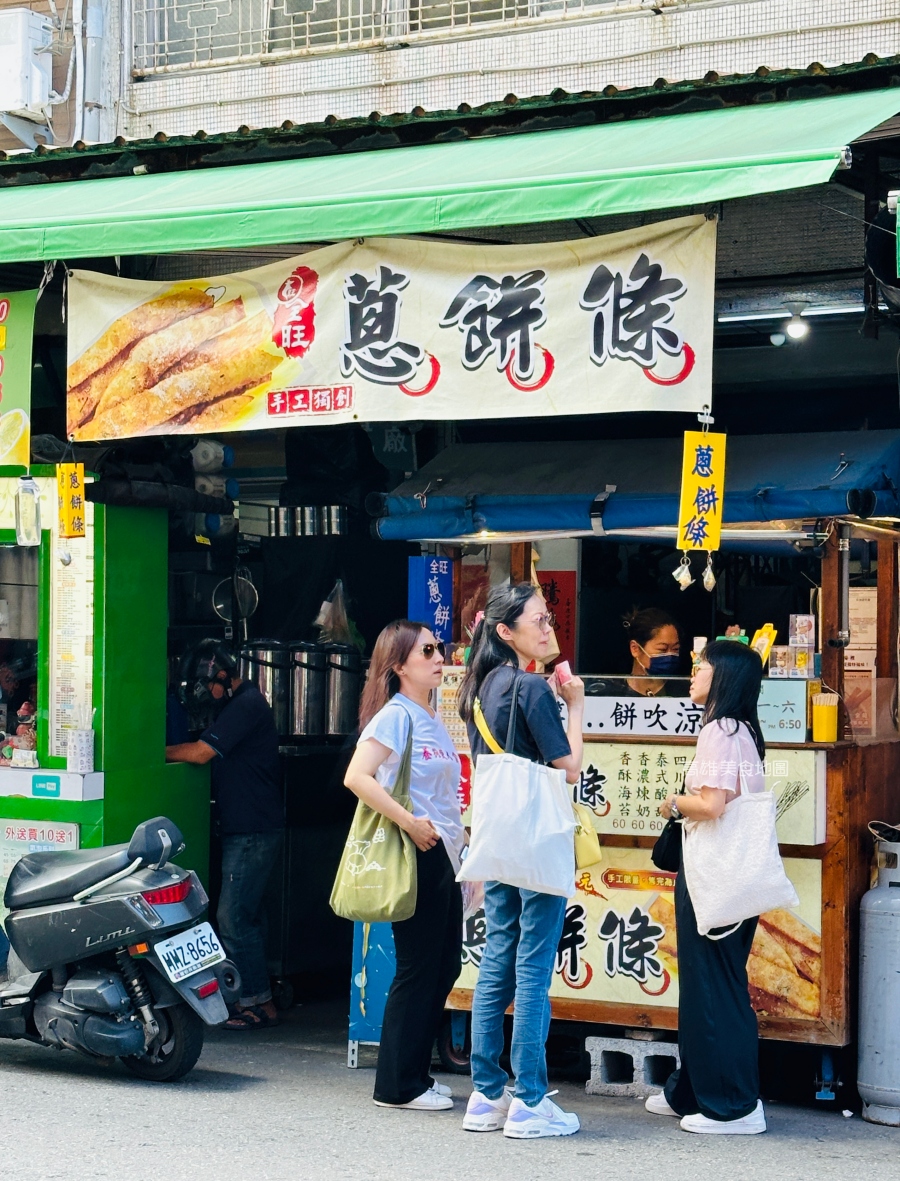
[622, 1066]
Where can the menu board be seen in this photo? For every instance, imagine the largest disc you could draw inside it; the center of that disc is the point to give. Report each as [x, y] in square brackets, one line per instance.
[449, 710]
[619, 940]
[71, 634]
[624, 783]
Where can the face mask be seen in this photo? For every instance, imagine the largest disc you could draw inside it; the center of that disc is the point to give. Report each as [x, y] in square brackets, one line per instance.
[662, 666]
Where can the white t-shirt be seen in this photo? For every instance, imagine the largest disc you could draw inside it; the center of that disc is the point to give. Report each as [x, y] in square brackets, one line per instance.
[434, 771]
[726, 760]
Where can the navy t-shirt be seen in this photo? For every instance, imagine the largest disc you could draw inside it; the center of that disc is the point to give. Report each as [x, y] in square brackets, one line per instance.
[246, 774]
[539, 735]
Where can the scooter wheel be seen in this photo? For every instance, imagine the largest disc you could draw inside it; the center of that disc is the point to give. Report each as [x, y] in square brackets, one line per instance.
[176, 1050]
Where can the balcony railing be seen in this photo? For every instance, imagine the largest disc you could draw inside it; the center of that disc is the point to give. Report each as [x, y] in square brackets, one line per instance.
[176, 35]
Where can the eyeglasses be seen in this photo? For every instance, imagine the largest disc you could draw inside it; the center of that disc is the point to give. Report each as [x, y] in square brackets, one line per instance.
[428, 650]
[546, 622]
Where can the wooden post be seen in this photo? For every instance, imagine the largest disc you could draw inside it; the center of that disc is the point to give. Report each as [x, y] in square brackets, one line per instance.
[832, 658]
[520, 562]
[887, 606]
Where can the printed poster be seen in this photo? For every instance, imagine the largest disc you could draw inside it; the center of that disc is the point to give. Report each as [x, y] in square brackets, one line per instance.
[620, 945]
[395, 330]
[16, 334]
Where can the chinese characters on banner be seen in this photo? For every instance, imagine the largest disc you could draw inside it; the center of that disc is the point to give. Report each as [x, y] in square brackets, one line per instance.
[396, 330]
[430, 594]
[70, 494]
[702, 491]
[619, 941]
[16, 334]
[560, 590]
[624, 784]
[18, 837]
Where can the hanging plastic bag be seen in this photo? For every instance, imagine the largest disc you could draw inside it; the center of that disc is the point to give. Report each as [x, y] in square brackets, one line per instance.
[334, 624]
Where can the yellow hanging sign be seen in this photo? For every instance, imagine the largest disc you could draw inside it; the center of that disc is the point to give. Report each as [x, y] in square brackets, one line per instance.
[70, 490]
[702, 491]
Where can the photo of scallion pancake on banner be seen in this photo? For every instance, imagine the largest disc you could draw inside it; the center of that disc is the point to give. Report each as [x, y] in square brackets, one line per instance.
[190, 357]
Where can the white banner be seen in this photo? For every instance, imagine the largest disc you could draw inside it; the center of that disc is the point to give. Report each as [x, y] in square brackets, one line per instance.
[395, 329]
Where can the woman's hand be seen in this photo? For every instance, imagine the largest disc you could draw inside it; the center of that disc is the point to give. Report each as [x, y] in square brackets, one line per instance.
[425, 836]
[665, 808]
[572, 693]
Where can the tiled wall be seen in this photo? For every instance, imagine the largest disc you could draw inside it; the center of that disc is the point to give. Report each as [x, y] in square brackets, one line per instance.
[438, 71]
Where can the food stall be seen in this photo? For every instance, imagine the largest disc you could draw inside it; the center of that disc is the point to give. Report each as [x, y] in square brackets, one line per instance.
[617, 960]
[82, 630]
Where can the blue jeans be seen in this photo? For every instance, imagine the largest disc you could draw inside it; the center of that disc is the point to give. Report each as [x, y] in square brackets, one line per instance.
[247, 860]
[523, 931]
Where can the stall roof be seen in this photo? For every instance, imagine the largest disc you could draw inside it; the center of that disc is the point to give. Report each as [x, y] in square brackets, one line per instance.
[654, 163]
[602, 488]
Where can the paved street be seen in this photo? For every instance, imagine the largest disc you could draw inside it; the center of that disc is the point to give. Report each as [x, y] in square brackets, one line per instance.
[282, 1104]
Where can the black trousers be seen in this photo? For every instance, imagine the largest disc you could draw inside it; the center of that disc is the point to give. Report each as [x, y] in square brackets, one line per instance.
[429, 951]
[718, 1036]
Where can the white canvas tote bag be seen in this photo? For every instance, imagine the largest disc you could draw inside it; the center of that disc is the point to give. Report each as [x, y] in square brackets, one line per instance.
[523, 826]
[733, 869]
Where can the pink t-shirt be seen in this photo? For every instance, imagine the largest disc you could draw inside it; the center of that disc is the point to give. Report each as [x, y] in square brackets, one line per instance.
[729, 761]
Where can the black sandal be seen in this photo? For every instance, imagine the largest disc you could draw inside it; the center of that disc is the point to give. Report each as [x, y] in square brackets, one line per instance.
[242, 1020]
[265, 1021]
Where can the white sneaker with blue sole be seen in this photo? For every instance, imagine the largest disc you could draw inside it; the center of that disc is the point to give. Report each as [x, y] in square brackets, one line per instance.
[486, 1115]
[544, 1119]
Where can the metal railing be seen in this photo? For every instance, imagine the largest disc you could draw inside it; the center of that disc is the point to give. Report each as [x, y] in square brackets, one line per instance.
[175, 35]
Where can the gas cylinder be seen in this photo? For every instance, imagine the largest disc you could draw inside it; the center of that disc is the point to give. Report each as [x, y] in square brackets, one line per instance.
[879, 992]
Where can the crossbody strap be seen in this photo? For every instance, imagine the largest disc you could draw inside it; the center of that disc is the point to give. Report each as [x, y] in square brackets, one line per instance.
[484, 729]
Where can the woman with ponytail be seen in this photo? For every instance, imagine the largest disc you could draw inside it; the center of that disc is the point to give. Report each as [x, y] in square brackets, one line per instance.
[406, 667]
[523, 927]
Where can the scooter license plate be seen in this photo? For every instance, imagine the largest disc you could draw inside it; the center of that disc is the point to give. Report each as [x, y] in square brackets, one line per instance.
[189, 952]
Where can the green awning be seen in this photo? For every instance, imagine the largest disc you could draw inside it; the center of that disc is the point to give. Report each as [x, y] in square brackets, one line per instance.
[650, 163]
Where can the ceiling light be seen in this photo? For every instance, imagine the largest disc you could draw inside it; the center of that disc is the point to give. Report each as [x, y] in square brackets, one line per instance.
[777, 338]
[796, 328]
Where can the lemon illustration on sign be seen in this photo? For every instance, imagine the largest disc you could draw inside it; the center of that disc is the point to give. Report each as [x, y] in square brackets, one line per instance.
[13, 426]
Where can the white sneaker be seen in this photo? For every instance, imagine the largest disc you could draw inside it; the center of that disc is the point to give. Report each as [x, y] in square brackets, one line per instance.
[428, 1101]
[749, 1125]
[544, 1119]
[656, 1105]
[442, 1089]
[486, 1115]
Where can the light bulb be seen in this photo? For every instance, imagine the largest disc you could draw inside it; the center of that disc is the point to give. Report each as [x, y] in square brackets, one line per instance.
[777, 338]
[797, 328]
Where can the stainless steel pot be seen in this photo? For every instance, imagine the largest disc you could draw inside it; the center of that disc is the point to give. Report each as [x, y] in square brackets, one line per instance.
[284, 518]
[337, 519]
[309, 521]
[309, 675]
[343, 687]
[266, 664]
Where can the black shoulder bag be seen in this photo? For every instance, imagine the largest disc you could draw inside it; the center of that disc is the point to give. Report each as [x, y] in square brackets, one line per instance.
[666, 853]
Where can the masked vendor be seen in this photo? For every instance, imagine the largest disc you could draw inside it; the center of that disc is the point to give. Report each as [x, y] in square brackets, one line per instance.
[654, 645]
[241, 743]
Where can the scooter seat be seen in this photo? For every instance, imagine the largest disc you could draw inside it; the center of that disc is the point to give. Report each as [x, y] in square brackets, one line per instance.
[40, 878]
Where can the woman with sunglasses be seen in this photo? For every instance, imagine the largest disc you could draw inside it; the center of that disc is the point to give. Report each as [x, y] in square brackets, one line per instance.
[523, 927]
[406, 668]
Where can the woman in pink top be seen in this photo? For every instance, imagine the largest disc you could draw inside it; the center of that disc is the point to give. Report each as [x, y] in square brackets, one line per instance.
[716, 1090]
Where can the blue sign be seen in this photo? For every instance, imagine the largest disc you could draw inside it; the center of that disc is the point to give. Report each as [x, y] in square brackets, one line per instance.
[430, 597]
[46, 785]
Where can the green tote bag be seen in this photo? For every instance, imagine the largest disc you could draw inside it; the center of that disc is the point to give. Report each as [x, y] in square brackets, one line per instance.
[376, 880]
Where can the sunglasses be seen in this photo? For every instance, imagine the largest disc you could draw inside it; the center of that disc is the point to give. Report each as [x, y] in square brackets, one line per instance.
[428, 650]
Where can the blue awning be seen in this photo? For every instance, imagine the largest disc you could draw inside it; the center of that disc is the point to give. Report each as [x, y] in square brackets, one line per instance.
[604, 488]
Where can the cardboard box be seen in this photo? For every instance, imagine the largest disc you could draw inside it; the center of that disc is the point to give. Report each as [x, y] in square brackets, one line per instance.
[50, 783]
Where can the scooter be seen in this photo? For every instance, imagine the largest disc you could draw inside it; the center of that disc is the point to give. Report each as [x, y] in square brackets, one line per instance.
[107, 956]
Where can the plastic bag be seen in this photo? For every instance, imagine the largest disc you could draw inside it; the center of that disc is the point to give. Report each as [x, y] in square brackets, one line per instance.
[334, 624]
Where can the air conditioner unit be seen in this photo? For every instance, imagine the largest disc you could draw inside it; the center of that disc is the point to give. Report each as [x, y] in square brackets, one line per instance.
[25, 63]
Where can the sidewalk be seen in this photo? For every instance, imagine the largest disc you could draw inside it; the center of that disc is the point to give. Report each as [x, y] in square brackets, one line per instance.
[281, 1105]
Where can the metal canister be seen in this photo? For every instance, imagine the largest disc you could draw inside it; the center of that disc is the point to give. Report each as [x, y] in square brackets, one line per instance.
[343, 688]
[308, 683]
[284, 521]
[310, 521]
[266, 664]
[337, 519]
[878, 1071]
[272, 517]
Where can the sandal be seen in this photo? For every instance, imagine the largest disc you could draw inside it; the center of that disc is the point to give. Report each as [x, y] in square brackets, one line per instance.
[263, 1018]
[242, 1020]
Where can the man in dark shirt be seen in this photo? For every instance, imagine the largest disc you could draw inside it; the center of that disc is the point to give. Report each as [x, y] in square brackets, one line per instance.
[242, 744]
